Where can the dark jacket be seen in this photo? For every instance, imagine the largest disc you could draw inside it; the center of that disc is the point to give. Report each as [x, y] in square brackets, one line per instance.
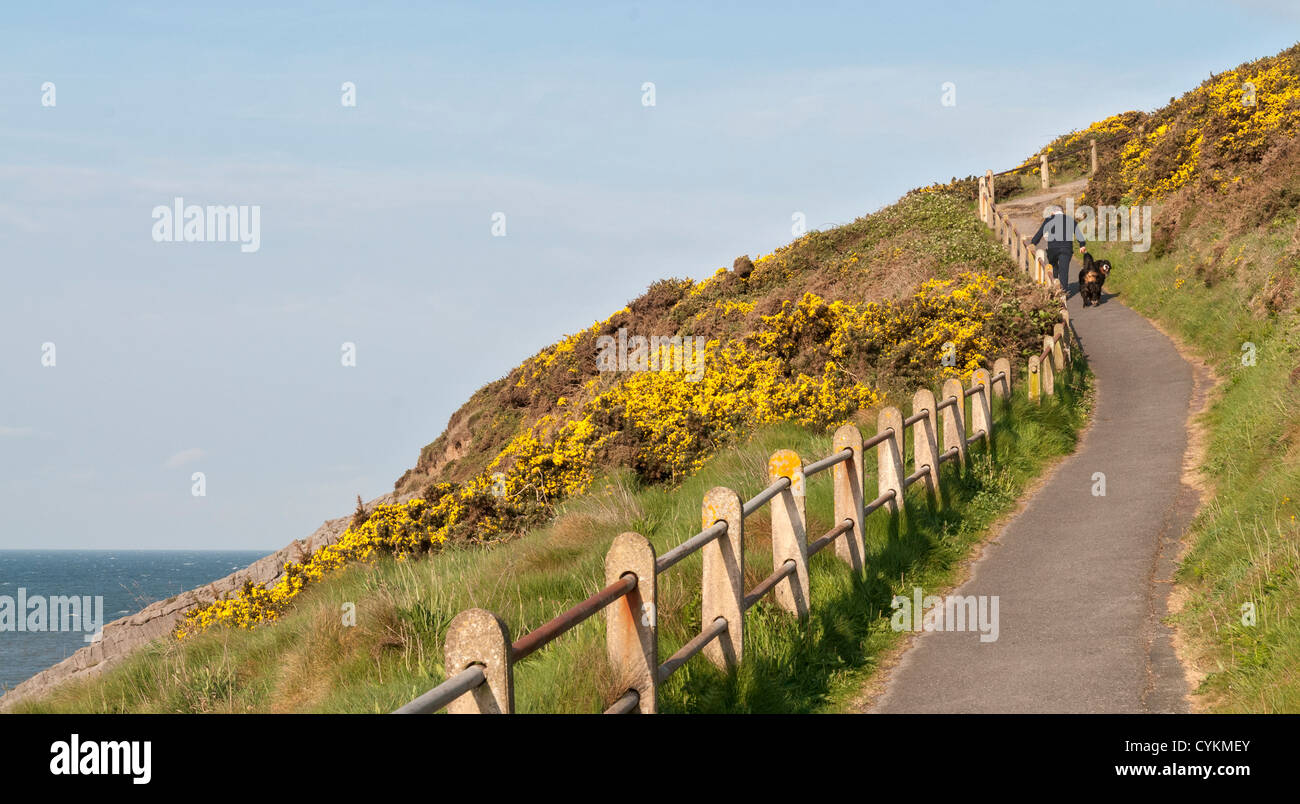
[1058, 229]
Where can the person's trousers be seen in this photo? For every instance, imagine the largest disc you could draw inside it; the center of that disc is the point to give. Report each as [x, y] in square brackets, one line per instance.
[1060, 262]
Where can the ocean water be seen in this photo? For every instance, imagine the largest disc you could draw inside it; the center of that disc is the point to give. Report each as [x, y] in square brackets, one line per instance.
[128, 580]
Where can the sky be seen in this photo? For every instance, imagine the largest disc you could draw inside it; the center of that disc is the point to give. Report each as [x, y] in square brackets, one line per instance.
[376, 220]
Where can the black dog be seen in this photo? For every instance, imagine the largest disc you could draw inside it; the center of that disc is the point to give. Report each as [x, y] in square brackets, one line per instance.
[1091, 278]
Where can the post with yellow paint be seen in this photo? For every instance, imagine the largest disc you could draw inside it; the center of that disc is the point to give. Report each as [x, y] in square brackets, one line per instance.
[790, 531]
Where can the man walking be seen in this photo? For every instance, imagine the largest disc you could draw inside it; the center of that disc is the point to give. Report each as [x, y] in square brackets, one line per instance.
[1059, 249]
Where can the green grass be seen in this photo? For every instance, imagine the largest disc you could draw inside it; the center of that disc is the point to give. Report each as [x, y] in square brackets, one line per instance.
[1245, 543]
[309, 661]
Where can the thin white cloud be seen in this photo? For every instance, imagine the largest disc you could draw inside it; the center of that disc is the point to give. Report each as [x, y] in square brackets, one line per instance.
[183, 457]
[16, 432]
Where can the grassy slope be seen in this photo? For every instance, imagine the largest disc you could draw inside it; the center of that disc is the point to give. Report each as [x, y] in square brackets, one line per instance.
[309, 662]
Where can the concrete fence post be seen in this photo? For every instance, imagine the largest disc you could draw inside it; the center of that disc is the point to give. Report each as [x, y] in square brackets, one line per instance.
[954, 419]
[1047, 182]
[982, 198]
[631, 622]
[847, 478]
[1033, 379]
[990, 186]
[1002, 387]
[1045, 367]
[477, 636]
[724, 576]
[1040, 265]
[925, 442]
[889, 458]
[1058, 356]
[790, 531]
[1093, 146]
[981, 405]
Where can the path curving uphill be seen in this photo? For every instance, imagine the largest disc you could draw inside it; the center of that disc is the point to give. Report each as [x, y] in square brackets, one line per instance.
[1082, 581]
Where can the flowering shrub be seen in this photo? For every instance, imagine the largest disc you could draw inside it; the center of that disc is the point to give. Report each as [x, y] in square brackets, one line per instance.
[1215, 131]
[398, 529]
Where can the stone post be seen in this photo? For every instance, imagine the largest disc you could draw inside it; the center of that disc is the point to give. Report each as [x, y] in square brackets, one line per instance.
[1093, 168]
[1049, 374]
[847, 477]
[889, 458]
[1034, 378]
[724, 576]
[631, 622]
[990, 186]
[954, 419]
[1002, 387]
[1047, 182]
[477, 636]
[981, 405]
[925, 442]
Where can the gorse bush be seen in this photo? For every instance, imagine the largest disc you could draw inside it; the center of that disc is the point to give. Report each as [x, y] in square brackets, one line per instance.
[1211, 137]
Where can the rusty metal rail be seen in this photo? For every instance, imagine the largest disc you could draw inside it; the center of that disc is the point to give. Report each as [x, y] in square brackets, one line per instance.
[768, 584]
[827, 462]
[878, 438]
[756, 502]
[917, 475]
[528, 645]
[625, 705]
[684, 654]
[465, 681]
[831, 535]
[690, 546]
[879, 501]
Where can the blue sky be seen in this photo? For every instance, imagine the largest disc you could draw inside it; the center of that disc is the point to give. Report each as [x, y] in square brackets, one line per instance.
[175, 358]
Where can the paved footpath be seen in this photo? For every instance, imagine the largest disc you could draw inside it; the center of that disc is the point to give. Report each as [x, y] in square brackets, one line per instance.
[1082, 581]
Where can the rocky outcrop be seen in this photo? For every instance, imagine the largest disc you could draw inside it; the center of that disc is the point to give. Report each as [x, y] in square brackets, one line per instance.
[122, 637]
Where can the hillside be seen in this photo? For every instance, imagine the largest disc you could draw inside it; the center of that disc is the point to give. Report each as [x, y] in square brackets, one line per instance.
[820, 332]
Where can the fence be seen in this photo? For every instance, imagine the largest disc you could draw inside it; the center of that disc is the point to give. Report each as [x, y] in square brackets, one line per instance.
[480, 657]
[1044, 175]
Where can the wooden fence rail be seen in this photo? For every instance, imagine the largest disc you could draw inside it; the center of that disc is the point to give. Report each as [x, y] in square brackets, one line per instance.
[479, 655]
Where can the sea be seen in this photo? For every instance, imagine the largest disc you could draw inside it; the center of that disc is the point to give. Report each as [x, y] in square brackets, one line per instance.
[127, 580]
